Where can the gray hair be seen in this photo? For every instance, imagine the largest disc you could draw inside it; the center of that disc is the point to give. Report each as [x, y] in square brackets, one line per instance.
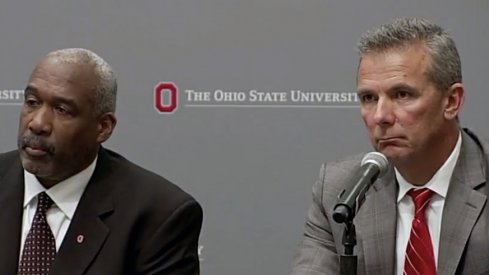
[106, 89]
[445, 68]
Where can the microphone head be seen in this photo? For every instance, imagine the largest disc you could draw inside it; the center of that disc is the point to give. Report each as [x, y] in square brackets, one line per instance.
[377, 159]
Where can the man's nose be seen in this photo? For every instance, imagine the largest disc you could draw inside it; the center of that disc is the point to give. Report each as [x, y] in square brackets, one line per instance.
[41, 122]
[384, 112]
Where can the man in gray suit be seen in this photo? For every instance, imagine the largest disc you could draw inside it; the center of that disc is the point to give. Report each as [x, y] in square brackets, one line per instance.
[410, 88]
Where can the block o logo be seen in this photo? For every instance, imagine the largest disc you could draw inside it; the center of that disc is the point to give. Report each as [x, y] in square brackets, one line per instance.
[161, 89]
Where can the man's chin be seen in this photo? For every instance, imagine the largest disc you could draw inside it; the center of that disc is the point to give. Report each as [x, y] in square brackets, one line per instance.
[35, 168]
[393, 153]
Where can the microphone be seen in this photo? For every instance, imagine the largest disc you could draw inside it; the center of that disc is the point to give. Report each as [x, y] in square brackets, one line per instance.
[373, 166]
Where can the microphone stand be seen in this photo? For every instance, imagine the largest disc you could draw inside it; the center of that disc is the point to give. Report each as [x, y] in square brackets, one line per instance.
[348, 261]
[345, 214]
[373, 165]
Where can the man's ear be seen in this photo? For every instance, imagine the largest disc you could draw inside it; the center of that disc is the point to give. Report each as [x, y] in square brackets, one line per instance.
[454, 100]
[106, 125]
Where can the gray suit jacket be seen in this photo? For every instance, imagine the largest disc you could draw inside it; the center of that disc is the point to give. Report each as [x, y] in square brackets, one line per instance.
[464, 239]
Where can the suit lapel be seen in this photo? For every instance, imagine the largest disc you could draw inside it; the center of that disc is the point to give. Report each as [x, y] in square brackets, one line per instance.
[11, 200]
[463, 205]
[81, 244]
[376, 226]
[87, 232]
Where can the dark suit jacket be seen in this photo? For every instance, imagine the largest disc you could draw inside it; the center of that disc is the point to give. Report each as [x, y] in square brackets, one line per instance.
[464, 236]
[133, 222]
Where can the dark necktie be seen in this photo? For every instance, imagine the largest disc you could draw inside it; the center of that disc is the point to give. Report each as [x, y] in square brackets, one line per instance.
[39, 247]
[419, 253]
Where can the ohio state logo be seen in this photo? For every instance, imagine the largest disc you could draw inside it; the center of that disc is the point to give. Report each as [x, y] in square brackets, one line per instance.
[169, 89]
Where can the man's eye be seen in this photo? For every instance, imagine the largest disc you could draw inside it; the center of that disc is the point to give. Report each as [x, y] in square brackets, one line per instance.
[31, 102]
[61, 110]
[367, 98]
[402, 95]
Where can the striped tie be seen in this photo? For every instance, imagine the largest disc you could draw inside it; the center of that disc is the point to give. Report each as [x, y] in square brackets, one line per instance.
[39, 247]
[419, 253]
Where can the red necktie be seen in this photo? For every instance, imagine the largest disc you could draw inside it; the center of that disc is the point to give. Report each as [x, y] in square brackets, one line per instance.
[39, 247]
[419, 253]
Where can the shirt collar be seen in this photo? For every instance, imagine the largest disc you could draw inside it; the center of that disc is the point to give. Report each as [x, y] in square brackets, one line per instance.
[440, 181]
[65, 194]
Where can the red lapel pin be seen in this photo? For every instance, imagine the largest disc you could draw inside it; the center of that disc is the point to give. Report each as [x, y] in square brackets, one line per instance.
[80, 238]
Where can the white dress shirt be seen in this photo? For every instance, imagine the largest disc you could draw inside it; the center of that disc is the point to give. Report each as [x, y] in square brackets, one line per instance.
[405, 207]
[65, 195]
